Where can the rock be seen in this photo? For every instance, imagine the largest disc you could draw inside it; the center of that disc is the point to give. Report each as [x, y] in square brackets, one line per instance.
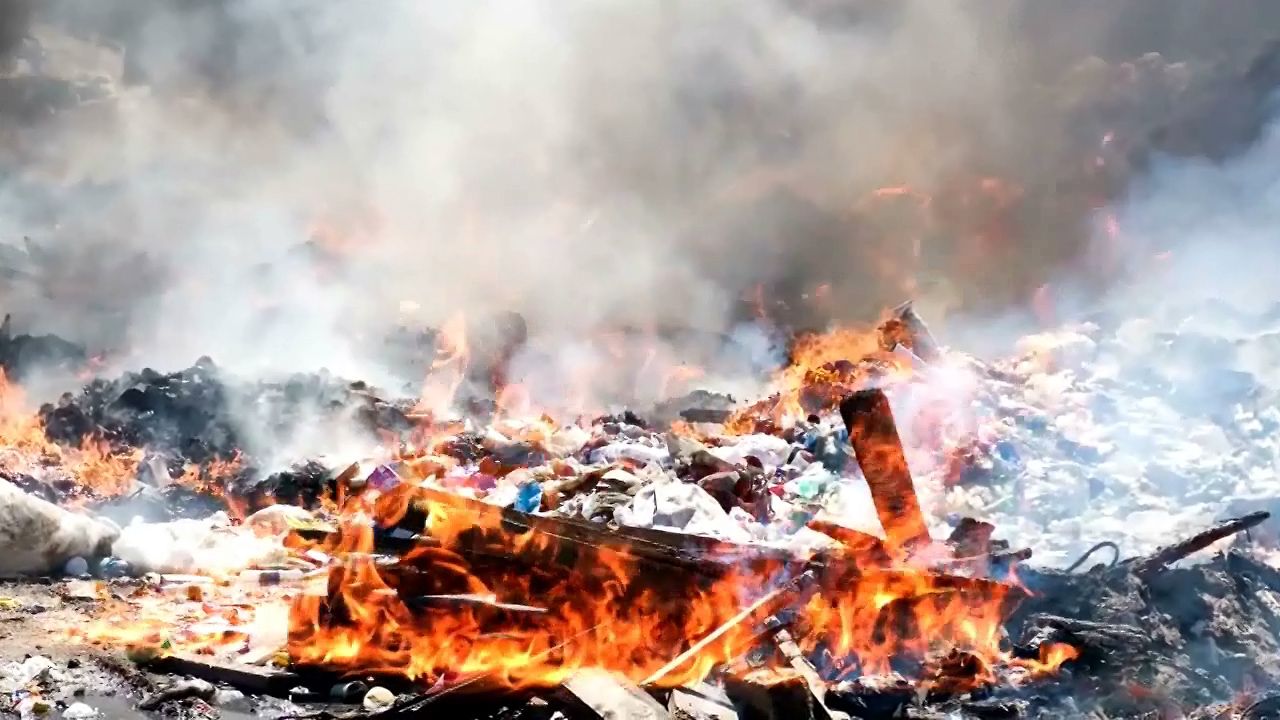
[378, 698]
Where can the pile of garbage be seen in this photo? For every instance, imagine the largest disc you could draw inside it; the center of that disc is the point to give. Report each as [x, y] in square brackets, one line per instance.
[1105, 433]
[1100, 431]
[1119, 429]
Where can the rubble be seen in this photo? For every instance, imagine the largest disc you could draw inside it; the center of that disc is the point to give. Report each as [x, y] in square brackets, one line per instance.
[456, 517]
[188, 415]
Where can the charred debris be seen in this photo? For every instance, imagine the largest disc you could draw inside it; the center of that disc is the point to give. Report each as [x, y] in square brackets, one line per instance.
[1108, 637]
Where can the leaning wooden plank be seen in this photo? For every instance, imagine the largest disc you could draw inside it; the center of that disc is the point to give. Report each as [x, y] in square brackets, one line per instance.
[604, 695]
[874, 436]
[905, 327]
[798, 662]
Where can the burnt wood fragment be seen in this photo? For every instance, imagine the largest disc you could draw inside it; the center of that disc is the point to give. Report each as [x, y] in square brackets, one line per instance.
[807, 672]
[1094, 640]
[995, 709]
[1164, 557]
[874, 696]
[786, 699]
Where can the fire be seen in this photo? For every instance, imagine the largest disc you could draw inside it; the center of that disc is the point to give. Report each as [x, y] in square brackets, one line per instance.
[197, 616]
[823, 368]
[550, 605]
[93, 469]
[448, 369]
[1052, 656]
[210, 479]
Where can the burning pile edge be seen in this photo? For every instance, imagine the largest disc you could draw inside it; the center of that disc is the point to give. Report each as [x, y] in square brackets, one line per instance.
[680, 532]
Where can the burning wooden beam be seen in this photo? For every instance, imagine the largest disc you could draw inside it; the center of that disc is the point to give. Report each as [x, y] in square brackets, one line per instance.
[874, 436]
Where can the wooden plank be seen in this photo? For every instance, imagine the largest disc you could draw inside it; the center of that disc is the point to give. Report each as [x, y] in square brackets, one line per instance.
[249, 678]
[874, 436]
[701, 555]
[798, 662]
[604, 695]
[906, 327]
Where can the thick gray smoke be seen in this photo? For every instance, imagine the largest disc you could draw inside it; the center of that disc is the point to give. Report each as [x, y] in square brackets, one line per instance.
[1196, 230]
[606, 163]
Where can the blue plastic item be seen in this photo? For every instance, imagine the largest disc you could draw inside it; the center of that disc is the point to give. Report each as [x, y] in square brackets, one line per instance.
[528, 497]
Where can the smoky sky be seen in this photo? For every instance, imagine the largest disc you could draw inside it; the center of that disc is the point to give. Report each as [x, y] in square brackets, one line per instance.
[586, 164]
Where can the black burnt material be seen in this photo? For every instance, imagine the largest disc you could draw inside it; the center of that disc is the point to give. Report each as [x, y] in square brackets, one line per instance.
[193, 413]
[22, 354]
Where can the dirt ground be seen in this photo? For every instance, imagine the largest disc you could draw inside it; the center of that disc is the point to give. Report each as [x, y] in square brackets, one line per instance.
[35, 619]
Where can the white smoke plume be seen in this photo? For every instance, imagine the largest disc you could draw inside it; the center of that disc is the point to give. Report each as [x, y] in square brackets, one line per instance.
[583, 163]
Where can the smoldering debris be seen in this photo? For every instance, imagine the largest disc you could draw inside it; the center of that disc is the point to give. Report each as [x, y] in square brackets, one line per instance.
[278, 185]
[198, 414]
[687, 503]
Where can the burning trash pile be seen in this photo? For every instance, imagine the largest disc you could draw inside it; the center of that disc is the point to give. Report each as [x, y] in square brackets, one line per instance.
[830, 550]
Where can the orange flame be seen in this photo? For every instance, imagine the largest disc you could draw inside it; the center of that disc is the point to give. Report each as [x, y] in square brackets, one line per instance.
[93, 469]
[448, 369]
[550, 605]
[824, 367]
